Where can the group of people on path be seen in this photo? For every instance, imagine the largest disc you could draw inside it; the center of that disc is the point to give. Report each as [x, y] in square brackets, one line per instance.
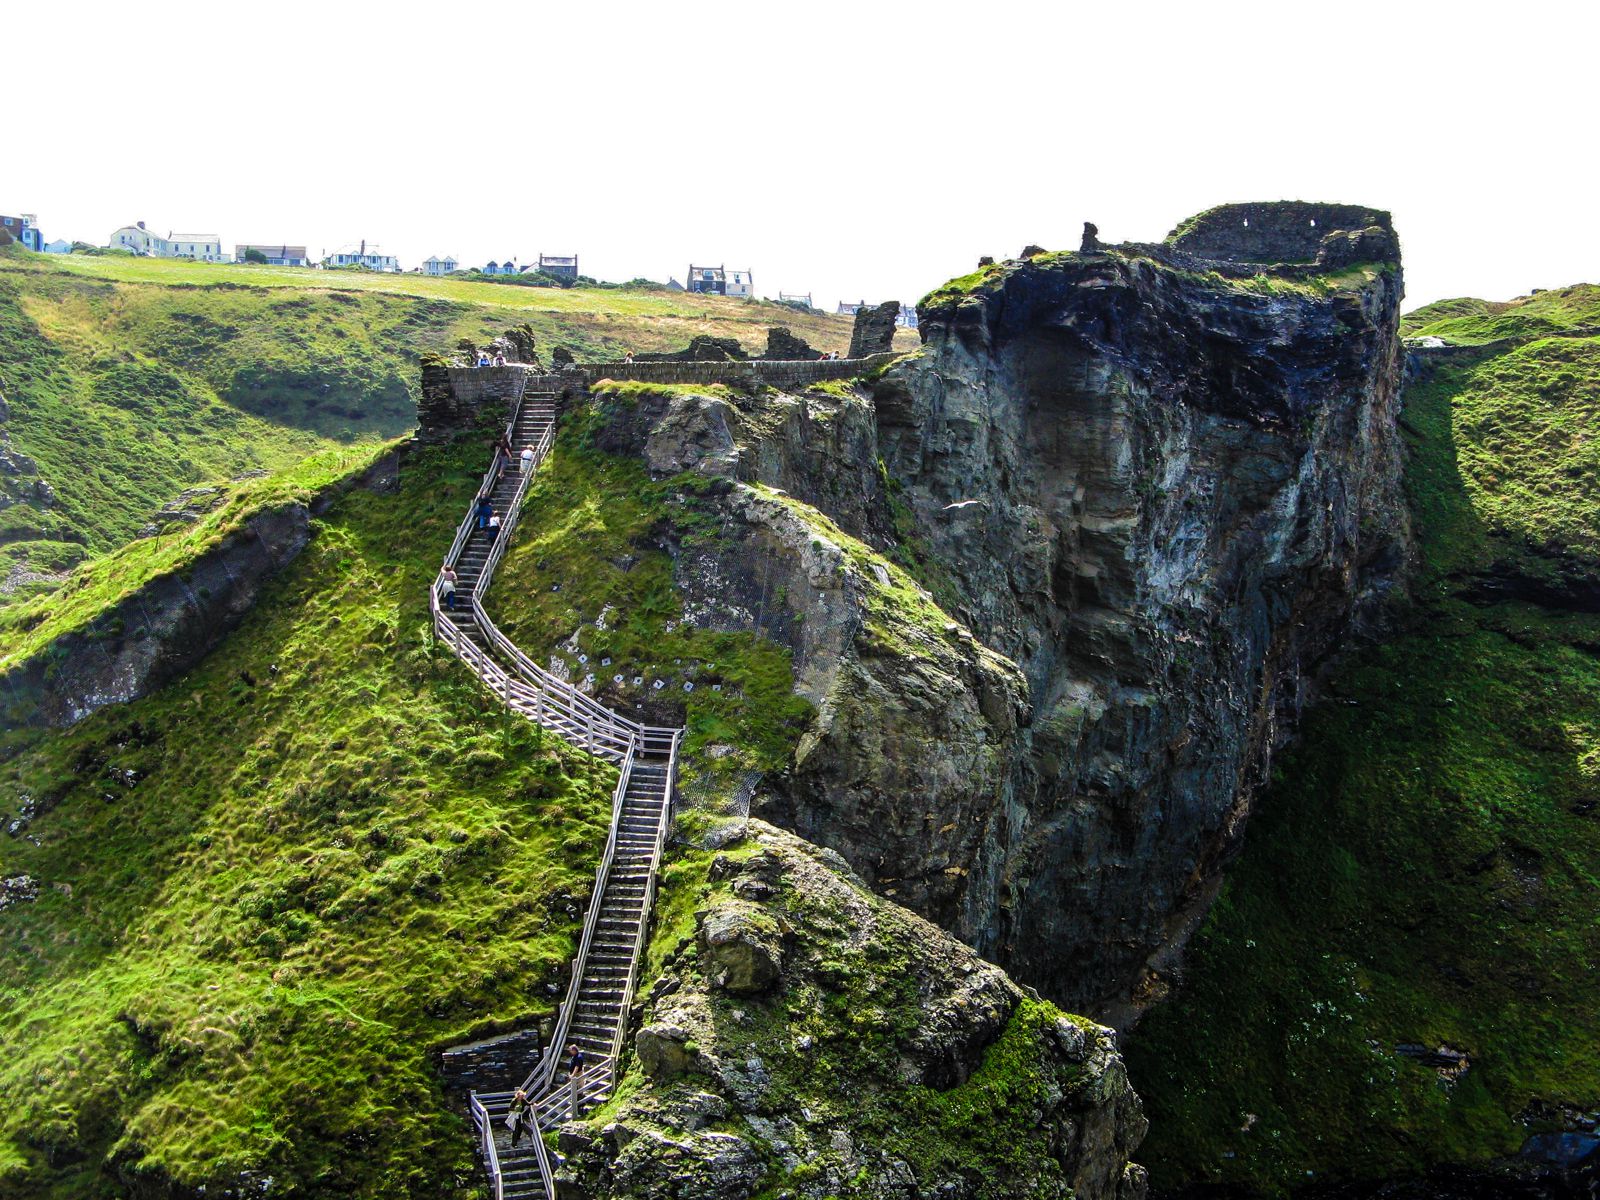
[483, 512]
[521, 1116]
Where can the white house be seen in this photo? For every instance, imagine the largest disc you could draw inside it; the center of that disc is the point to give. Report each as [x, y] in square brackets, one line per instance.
[136, 239]
[367, 260]
[720, 281]
[439, 266]
[202, 247]
[276, 256]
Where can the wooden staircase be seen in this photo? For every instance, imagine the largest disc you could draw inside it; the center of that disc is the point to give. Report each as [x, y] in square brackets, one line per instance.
[594, 1014]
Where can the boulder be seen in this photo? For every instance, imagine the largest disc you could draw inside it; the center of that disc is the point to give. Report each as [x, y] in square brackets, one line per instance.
[784, 346]
[743, 948]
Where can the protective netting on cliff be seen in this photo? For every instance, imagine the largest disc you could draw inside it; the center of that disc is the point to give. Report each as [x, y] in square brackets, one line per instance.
[712, 806]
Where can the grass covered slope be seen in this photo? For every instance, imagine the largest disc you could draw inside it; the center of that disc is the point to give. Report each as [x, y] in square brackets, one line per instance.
[597, 320]
[28, 627]
[127, 380]
[1399, 970]
[124, 395]
[1471, 322]
[588, 589]
[242, 913]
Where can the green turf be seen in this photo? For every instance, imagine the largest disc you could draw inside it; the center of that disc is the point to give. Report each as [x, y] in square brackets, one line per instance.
[270, 892]
[1470, 322]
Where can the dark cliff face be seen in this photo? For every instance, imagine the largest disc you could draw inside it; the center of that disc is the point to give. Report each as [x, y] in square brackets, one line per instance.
[1166, 495]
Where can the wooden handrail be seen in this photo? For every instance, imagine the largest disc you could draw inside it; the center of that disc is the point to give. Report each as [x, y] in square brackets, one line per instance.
[491, 1155]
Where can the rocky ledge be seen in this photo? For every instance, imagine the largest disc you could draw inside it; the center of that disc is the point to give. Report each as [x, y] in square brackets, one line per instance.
[172, 620]
[802, 1037]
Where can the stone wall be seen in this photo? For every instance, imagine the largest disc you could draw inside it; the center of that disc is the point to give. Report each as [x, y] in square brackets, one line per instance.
[456, 398]
[775, 374]
[1286, 231]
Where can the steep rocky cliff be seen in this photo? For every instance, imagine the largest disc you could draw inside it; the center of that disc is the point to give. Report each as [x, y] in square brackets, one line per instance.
[1143, 495]
[1164, 493]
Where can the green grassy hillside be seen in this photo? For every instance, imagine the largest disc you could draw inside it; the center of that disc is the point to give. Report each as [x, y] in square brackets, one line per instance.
[1423, 871]
[127, 380]
[245, 911]
[28, 626]
[1469, 322]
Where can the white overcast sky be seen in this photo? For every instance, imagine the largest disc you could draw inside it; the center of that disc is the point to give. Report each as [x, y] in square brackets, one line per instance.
[850, 150]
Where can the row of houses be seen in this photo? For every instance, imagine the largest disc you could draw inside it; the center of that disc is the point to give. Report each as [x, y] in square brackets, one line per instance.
[561, 266]
[25, 231]
[207, 247]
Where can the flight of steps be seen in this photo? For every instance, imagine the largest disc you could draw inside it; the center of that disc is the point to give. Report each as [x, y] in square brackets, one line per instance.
[609, 964]
[597, 1015]
[534, 418]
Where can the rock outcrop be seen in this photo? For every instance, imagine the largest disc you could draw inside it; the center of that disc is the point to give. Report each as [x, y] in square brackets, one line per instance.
[1149, 498]
[1287, 231]
[873, 332]
[1166, 497]
[877, 1057]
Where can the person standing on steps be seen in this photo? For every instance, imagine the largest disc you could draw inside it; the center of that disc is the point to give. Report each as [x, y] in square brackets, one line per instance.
[447, 587]
[504, 447]
[494, 525]
[575, 1064]
[520, 1116]
[526, 460]
[485, 510]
